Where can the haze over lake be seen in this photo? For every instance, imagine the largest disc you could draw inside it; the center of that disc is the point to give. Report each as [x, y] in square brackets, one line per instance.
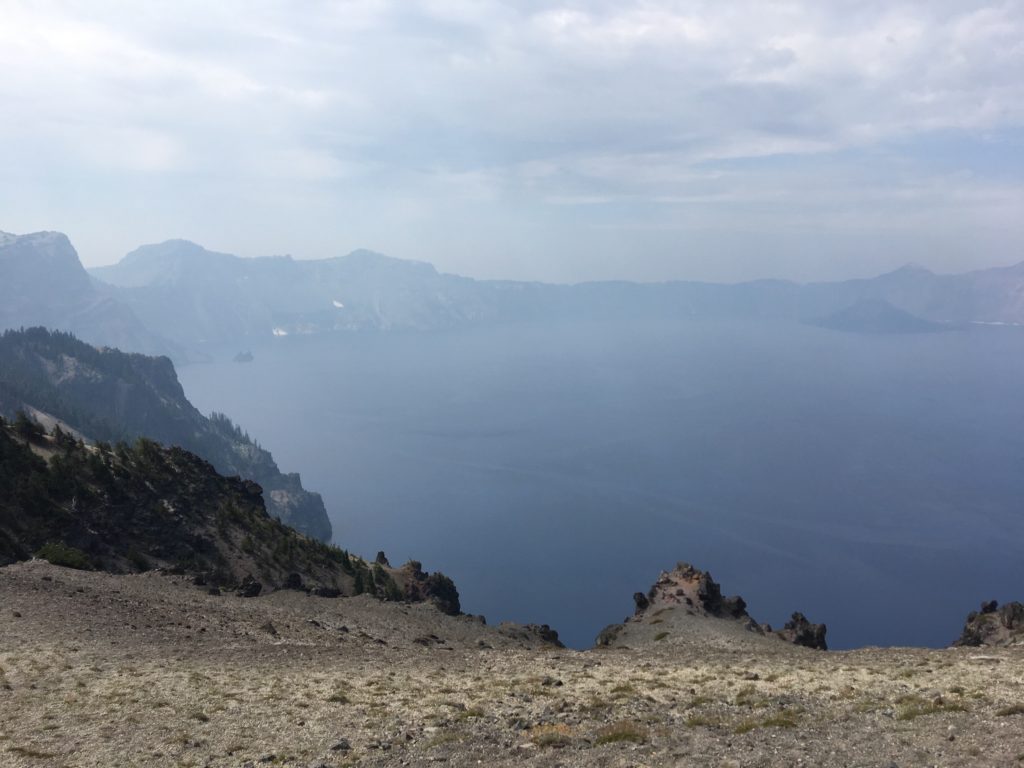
[873, 482]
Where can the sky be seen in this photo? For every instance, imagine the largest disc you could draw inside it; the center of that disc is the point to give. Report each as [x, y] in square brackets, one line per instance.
[716, 140]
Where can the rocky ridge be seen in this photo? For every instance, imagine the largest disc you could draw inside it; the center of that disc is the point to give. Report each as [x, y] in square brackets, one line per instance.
[994, 625]
[109, 395]
[144, 507]
[684, 600]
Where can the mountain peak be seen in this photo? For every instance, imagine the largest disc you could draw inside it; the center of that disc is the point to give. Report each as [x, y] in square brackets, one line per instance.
[875, 315]
[366, 259]
[162, 263]
[38, 239]
[177, 249]
[910, 269]
[43, 258]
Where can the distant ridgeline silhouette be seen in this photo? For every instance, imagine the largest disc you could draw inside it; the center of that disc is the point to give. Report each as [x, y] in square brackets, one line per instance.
[176, 298]
[189, 294]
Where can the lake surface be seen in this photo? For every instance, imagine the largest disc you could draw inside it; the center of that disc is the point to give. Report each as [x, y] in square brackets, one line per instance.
[875, 483]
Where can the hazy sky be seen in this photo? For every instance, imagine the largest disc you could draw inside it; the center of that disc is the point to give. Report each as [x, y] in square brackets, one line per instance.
[647, 140]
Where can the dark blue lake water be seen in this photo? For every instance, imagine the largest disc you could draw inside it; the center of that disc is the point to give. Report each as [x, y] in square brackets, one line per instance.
[875, 483]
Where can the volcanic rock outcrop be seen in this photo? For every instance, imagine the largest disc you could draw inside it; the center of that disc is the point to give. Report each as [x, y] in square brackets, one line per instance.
[686, 595]
[994, 625]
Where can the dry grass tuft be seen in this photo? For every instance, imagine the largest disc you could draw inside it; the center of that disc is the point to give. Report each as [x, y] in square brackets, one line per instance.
[556, 735]
[623, 730]
[782, 719]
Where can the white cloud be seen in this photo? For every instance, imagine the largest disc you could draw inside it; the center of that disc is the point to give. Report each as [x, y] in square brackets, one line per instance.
[520, 107]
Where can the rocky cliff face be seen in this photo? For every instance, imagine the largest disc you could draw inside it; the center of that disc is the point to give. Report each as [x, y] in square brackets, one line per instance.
[42, 282]
[109, 395]
[686, 595]
[197, 296]
[994, 625]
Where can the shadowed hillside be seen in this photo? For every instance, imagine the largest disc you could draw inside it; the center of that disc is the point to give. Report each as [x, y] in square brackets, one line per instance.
[109, 395]
[128, 508]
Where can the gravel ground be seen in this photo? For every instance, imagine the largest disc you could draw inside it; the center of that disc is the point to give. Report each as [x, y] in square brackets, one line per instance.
[148, 670]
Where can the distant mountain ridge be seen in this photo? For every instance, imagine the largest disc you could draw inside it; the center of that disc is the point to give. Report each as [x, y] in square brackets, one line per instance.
[176, 297]
[192, 295]
[110, 395]
[197, 296]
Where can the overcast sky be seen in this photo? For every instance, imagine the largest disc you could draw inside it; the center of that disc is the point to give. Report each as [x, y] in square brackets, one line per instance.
[645, 140]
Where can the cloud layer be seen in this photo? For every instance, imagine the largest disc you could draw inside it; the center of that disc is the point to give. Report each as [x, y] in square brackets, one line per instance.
[584, 140]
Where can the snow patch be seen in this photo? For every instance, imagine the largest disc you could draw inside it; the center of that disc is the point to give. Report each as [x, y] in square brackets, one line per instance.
[280, 332]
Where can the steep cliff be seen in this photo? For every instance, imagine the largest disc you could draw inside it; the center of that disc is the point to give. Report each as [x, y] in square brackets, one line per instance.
[109, 395]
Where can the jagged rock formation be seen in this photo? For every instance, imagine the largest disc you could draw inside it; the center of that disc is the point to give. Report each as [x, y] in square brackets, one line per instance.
[799, 631]
[125, 509]
[994, 625]
[542, 632]
[433, 587]
[686, 593]
[108, 395]
[689, 586]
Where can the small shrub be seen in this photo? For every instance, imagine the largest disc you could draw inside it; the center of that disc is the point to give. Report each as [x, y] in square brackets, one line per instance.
[139, 561]
[914, 706]
[746, 696]
[59, 553]
[28, 428]
[1013, 709]
[660, 636]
